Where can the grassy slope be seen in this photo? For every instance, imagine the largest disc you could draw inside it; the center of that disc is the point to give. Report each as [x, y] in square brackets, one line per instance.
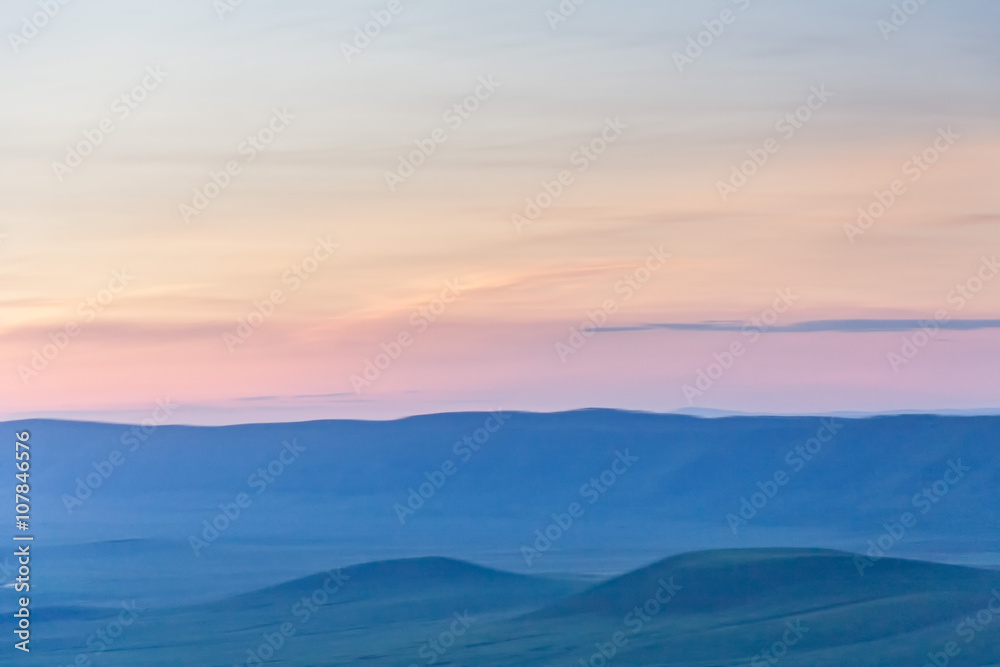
[730, 607]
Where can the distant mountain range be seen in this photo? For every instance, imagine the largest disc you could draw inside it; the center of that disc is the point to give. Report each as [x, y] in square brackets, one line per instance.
[713, 413]
[410, 484]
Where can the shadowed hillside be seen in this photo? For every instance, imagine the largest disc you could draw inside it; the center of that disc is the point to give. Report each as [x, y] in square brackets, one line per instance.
[719, 608]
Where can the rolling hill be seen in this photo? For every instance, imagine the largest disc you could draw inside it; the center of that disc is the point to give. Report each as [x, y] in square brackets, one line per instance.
[811, 607]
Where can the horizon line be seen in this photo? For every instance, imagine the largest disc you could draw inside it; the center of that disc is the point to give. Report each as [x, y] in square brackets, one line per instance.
[696, 413]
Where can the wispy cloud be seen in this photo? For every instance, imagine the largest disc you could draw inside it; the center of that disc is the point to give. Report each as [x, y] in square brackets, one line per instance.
[270, 399]
[814, 326]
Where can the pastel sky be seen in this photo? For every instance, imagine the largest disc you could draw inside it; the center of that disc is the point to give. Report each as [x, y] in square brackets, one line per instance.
[849, 329]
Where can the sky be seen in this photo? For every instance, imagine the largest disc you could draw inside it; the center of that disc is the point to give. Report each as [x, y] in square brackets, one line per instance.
[253, 211]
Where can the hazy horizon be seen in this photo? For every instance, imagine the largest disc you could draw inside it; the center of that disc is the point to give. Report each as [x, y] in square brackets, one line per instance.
[189, 415]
